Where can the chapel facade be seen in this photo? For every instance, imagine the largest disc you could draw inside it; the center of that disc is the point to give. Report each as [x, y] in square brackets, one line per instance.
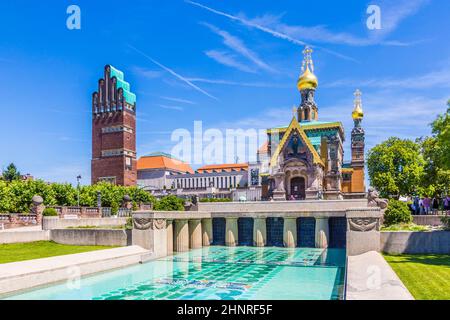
[306, 158]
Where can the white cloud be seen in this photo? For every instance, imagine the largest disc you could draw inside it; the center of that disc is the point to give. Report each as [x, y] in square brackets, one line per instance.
[179, 100]
[173, 73]
[178, 108]
[228, 60]
[241, 84]
[265, 29]
[393, 13]
[146, 73]
[238, 46]
[432, 79]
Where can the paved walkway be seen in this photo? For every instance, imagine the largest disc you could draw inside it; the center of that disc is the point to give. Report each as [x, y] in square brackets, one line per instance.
[31, 273]
[369, 277]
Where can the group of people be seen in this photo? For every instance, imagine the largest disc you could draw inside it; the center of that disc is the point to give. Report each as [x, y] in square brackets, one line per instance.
[426, 205]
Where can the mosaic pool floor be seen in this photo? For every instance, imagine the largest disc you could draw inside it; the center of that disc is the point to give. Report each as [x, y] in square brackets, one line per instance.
[222, 273]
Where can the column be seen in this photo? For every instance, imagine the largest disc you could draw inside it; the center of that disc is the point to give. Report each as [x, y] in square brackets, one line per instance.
[38, 208]
[259, 232]
[322, 232]
[195, 234]
[169, 237]
[231, 231]
[290, 232]
[181, 242]
[207, 236]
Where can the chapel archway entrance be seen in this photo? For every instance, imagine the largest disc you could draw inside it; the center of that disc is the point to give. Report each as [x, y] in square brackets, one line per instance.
[298, 187]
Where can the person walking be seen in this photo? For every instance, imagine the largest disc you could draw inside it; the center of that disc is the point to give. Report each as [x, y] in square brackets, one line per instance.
[447, 204]
[421, 209]
[435, 205]
[416, 205]
[426, 205]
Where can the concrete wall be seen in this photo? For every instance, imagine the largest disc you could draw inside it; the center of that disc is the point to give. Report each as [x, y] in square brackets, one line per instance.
[427, 220]
[434, 242]
[49, 223]
[94, 237]
[282, 206]
[23, 236]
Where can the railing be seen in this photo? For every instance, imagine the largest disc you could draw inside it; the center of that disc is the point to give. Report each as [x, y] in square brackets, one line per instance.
[18, 219]
[106, 212]
[80, 212]
[124, 212]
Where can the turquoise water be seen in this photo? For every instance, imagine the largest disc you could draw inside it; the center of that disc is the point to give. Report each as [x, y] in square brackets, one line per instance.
[224, 273]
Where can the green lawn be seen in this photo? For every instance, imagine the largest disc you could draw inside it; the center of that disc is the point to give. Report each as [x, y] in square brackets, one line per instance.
[427, 277]
[40, 249]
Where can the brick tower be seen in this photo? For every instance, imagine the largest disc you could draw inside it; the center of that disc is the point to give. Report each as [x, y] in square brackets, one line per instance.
[114, 130]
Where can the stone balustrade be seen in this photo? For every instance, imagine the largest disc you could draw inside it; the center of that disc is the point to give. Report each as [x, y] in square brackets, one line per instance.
[194, 229]
[79, 212]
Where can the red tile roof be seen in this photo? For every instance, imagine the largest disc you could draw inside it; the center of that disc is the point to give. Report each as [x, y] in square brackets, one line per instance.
[163, 162]
[264, 148]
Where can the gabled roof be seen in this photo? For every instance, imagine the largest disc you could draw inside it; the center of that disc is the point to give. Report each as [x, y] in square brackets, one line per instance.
[160, 160]
[294, 125]
[311, 125]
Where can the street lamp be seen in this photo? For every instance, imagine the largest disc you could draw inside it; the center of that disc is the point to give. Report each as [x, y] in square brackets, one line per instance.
[78, 189]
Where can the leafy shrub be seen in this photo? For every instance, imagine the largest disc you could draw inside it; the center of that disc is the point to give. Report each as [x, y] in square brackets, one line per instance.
[129, 224]
[50, 212]
[397, 212]
[446, 222]
[15, 196]
[169, 203]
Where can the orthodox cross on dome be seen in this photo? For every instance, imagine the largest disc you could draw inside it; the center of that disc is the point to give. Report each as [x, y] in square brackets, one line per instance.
[357, 113]
[358, 100]
[307, 59]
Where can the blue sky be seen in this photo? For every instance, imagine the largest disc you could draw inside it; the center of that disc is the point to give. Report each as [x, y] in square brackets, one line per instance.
[231, 64]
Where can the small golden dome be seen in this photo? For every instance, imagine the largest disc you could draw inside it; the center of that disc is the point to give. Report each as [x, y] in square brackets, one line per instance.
[357, 113]
[307, 80]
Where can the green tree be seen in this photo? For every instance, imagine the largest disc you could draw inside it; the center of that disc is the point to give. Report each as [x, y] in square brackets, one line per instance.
[65, 194]
[395, 167]
[436, 152]
[11, 173]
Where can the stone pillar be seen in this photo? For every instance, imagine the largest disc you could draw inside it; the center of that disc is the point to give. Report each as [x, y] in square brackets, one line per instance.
[290, 232]
[126, 203]
[259, 232]
[38, 208]
[150, 233]
[363, 230]
[169, 237]
[195, 234]
[231, 231]
[322, 232]
[63, 212]
[207, 235]
[181, 240]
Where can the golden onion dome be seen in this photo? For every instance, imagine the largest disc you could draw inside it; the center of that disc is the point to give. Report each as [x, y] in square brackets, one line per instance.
[357, 113]
[307, 80]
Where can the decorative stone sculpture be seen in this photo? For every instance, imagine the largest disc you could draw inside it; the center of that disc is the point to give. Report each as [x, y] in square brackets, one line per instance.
[373, 199]
[364, 224]
[38, 208]
[127, 202]
[142, 223]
